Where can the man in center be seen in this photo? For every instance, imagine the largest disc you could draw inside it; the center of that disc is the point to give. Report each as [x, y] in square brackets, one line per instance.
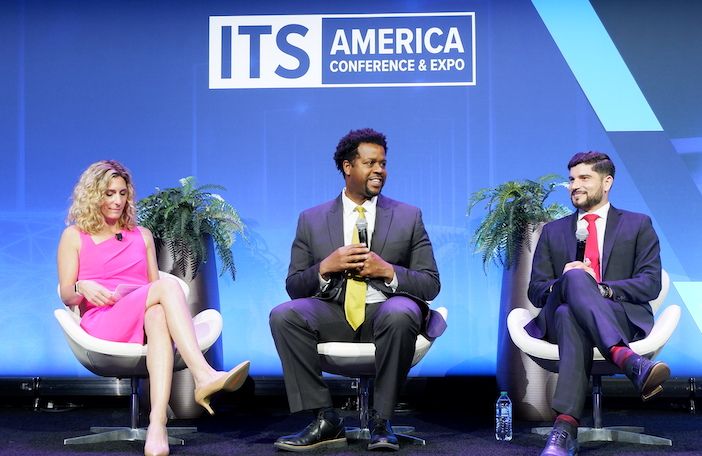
[345, 291]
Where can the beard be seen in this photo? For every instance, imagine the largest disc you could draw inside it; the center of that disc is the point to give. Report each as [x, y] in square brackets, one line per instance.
[591, 200]
[370, 192]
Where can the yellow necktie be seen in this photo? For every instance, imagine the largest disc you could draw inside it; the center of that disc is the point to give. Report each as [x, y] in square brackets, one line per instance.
[355, 299]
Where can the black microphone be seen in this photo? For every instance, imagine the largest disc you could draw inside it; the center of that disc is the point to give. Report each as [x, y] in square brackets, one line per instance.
[581, 236]
[118, 236]
[362, 227]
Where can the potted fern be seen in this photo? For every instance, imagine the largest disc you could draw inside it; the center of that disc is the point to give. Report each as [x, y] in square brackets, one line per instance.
[516, 212]
[189, 223]
[182, 219]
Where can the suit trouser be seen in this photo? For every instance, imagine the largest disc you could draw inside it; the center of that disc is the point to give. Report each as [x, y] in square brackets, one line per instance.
[578, 318]
[299, 325]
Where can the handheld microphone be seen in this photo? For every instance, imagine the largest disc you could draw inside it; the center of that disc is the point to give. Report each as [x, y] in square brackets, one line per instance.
[581, 236]
[118, 236]
[362, 227]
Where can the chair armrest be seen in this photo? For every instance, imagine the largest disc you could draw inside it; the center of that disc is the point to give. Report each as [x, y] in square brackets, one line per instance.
[208, 327]
[72, 330]
[516, 320]
[356, 358]
[662, 329]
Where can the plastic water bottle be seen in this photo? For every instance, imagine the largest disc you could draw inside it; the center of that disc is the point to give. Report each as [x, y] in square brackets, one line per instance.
[503, 417]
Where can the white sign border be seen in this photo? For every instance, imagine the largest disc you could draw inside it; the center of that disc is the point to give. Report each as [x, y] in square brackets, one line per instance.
[216, 46]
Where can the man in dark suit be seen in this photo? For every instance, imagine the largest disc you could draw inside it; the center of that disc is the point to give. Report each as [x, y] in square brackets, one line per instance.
[343, 291]
[602, 301]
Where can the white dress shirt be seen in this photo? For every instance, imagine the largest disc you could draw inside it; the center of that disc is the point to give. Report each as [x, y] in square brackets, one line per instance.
[350, 216]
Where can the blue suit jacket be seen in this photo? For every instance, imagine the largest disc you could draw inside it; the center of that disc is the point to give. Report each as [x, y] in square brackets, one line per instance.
[399, 238]
[631, 264]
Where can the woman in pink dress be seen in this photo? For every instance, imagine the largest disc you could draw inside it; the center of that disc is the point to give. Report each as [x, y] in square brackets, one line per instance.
[107, 267]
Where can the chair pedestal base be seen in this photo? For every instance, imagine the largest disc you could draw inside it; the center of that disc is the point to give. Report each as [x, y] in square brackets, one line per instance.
[626, 434]
[131, 433]
[112, 434]
[362, 432]
[402, 433]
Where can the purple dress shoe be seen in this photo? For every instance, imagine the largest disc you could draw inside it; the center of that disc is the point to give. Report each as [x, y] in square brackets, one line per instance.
[562, 441]
[646, 375]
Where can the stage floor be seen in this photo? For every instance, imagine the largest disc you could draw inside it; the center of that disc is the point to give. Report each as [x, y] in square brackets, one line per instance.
[250, 427]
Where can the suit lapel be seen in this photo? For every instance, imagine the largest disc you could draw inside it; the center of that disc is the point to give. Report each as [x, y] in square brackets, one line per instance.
[383, 218]
[570, 239]
[611, 233]
[335, 224]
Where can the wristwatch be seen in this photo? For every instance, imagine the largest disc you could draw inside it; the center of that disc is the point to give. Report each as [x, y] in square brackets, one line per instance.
[75, 289]
[605, 290]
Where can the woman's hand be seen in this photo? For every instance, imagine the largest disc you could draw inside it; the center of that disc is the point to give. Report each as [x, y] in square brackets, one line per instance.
[95, 293]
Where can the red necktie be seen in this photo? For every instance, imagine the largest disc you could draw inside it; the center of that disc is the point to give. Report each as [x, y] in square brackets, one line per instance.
[592, 250]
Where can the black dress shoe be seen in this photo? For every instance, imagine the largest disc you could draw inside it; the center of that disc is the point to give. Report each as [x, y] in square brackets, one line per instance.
[381, 435]
[323, 432]
[562, 441]
[646, 375]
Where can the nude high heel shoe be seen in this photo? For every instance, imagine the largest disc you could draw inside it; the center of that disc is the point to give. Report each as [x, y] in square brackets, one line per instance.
[230, 381]
[159, 450]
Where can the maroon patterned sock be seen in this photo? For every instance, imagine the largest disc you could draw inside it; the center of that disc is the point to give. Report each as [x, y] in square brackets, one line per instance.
[568, 419]
[619, 355]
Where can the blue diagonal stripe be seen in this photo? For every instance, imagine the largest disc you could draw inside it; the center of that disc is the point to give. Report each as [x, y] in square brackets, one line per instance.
[597, 65]
[690, 293]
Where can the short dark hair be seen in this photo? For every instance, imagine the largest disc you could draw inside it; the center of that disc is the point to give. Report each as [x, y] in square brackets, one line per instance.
[601, 163]
[347, 149]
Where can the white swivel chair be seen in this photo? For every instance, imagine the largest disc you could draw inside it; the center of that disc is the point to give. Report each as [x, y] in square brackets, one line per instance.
[545, 354]
[128, 360]
[357, 360]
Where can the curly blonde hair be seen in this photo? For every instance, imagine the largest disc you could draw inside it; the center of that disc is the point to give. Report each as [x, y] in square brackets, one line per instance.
[89, 193]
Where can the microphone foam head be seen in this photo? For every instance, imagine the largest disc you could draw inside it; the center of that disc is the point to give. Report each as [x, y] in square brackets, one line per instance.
[581, 233]
[361, 224]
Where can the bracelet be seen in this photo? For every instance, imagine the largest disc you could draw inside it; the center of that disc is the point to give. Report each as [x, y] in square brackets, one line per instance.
[75, 289]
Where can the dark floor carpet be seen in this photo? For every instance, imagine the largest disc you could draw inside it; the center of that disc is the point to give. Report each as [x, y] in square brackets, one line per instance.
[250, 429]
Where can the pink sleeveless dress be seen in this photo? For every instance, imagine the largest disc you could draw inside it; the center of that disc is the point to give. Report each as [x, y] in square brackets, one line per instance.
[111, 263]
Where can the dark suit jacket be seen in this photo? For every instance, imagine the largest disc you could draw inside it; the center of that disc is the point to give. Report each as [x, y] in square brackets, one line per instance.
[631, 263]
[399, 238]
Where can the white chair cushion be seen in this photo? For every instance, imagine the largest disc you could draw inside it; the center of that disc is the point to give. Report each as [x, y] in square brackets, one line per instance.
[122, 359]
[663, 328]
[352, 359]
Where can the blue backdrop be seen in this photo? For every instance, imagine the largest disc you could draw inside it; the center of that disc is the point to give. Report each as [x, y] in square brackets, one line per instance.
[87, 80]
